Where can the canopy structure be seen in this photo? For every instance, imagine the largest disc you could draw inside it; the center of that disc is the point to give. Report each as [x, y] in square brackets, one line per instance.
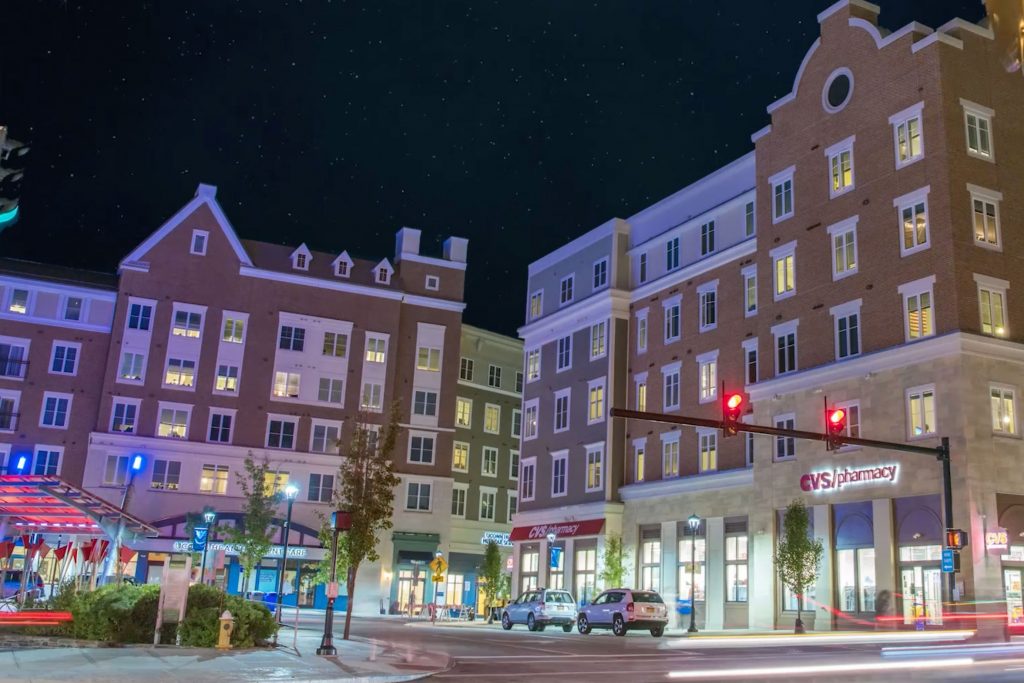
[48, 505]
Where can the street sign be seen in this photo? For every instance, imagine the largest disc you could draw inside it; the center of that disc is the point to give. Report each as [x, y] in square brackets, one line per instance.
[332, 589]
[948, 562]
[199, 536]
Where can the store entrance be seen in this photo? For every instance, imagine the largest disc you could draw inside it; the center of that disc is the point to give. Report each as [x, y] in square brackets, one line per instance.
[410, 591]
[922, 595]
[1014, 599]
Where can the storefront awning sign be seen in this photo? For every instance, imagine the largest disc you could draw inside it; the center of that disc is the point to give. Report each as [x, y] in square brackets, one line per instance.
[232, 549]
[587, 527]
[499, 537]
[821, 481]
[997, 539]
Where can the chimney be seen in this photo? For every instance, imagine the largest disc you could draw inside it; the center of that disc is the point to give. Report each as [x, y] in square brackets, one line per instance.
[455, 249]
[407, 241]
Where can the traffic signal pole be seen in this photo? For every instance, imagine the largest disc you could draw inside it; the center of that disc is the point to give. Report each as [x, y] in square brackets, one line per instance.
[940, 453]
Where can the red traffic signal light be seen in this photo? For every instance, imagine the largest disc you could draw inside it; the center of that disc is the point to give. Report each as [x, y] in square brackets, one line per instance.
[835, 424]
[731, 404]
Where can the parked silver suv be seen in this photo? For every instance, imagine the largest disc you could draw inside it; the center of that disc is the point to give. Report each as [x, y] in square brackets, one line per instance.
[539, 607]
[623, 609]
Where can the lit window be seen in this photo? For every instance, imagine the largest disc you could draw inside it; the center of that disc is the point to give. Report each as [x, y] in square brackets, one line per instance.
[286, 384]
[376, 348]
[463, 412]
[227, 378]
[921, 411]
[978, 125]
[749, 290]
[428, 359]
[595, 468]
[180, 373]
[917, 308]
[460, 456]
[840, 162]
[707, 365]
[214, 479]
[844, 248]
[492, 418]
[670, 458]
[173, 423]
[708, 451]
[784, 259]
[532, 365]
[536, 305]
[187, 324]
[234, 330]
[913, 213]
[595, 402]
[335, 344]
[1004, 411]
[597, 340]
[18, 302]
[907, 135]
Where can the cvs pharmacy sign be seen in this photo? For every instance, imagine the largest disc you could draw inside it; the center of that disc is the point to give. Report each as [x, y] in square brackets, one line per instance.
[835, 479]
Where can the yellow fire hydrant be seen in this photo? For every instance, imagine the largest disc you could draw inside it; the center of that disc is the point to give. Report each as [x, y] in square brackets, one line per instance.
[227, 627]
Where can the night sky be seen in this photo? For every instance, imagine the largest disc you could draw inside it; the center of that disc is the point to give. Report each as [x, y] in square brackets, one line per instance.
[519, 124]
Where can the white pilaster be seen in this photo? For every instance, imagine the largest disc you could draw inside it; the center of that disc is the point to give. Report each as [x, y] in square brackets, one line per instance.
[823, 587]
[714, 601]
[885, 559]
[762, 578]
[670, 567]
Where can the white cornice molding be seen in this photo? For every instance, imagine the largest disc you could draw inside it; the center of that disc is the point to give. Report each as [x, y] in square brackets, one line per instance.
[605, 230]
[692, 270]
[608, 303]
[431, 261]
[493, 390]
[698, 483]
[155, 446]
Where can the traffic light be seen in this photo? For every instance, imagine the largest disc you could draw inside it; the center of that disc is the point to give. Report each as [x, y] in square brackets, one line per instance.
[731, 414]
[956, 539]
[835, 424]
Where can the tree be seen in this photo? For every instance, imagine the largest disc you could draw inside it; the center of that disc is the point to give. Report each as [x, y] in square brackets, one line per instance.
[613, 564]
[490, 578]
[326, 537]
[798, 555]
[366, 488]
[253, 537]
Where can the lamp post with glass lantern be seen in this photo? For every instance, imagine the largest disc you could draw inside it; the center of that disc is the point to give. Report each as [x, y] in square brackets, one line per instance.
[291, 491]
[209, 517]
[694, 523]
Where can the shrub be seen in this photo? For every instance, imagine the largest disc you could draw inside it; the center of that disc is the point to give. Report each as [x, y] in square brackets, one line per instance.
[254, 623]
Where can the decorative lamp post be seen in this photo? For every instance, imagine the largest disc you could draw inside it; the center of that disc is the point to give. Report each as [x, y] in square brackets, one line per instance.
[136, 463]
[694, 523]
[209, 517]
[340, 521]
[552, 537]
[291, 491]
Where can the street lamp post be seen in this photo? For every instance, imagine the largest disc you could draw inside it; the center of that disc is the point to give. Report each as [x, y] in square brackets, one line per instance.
[290, 492]
[552, 537]
[135, 464]
[209, 516]
[341, 521]
[694, 523]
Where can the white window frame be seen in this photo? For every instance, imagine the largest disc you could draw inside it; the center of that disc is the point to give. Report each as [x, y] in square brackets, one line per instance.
[675, 302]
[369, 407]
[910, 200]
[981, 113]
[531, 406]
[558, 353]
[537, 296]
[53, 355]
[667, 439]
[83, 312]
[672, 254]
[839, 231]
[295, 431]
[189, 310]
[593, 385]
[777, 180]
[1005, 391]
[517, 421]
[563, 290]
[749, 219]
[707, 237]
[703, 291]
[485, 451]
[464, 488]
[643, 330]
[707, 364]
[493, 492]
[780, 421]
[844, 311]
[30, 299]
[604, 284]
[666, 372]
[56, 395]
[781, 253]
[832, 154]
[747, 275]
[423, 436]
[222, 412]
[749, 345]
[432, 282]
[783, 329]
[126, 401]
[567, 395]
[903, 118]
[599, 337]
[512, 496]
[59, 450]
[909, 394]
[640, 380]
[528, 478]
[532, 365]
[639, 460]
[206, 241]
[852, 407]
[595, 452]
[175, 407]
[987, 196]
[496, 409]
[238, 379]
[327, 425]
[378, 339]
[562, 456]
[706, 436]
[420, 483]
[513, 464]
[917, 288]
[456, 446]
[994, 286]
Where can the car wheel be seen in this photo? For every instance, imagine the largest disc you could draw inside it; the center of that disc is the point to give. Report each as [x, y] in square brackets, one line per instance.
[583, 624]
[618, 625]
[506, 622]
[566, 628]
[657, 631]
[531, 623]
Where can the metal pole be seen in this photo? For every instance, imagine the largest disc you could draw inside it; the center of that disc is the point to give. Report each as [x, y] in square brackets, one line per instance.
[327, 642]
[947, 495]
[202, 563]
[284, 563]
[693, 569]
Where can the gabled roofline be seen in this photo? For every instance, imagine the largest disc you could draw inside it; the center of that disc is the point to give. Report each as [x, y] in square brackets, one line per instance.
[205, 194]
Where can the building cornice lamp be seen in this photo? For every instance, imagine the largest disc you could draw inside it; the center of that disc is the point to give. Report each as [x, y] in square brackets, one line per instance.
[291, 492]
[694, 523]
[209, 517]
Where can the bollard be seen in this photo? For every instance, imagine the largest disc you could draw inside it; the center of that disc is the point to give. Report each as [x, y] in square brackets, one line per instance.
[227, 627]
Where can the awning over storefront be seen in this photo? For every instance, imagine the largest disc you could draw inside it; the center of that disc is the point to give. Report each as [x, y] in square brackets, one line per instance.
[587, 527]
[48, 505]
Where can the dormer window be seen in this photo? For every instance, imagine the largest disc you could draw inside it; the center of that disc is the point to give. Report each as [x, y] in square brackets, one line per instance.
[382, 276]
[382, 273]
[301, 258]
[199, 238]
[342, 265]
[342, 269]
[300, 261]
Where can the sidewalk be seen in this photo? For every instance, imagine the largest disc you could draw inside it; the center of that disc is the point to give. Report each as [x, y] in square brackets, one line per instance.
[357, 660]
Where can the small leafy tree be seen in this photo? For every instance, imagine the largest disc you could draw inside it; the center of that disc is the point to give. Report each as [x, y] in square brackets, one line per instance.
[366, 487]
[490, 579]
[253, 537]
[798, 556]
[326, 536]
[613, 563]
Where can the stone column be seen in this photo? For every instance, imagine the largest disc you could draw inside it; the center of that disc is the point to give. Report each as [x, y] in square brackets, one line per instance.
[762, 579]
[670, 568]
[543, 563]
[568, 566]
[885, 554]
[714, 574]
[823, 588]
[516, 588]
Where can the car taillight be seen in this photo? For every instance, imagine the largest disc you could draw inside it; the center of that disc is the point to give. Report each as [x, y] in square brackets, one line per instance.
[630, 607]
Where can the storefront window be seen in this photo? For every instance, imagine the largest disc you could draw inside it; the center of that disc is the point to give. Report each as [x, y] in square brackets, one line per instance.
[1015, 553]
[529, 566]
[855, 569]
[556, 574]
[920, 553]
[684, 570]
[454, 587]
[586, 574]
[736, 568]
[789, 602]
[650, 564]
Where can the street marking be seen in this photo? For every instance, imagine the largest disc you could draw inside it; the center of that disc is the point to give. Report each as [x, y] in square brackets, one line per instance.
[650, 655]
[860, 667]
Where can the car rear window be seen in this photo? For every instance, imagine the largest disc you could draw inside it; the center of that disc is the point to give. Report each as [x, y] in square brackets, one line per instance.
[558, 596]
[647, 597]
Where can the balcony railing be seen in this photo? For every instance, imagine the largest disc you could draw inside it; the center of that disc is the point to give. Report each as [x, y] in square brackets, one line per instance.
[9, 422]
[13, 367]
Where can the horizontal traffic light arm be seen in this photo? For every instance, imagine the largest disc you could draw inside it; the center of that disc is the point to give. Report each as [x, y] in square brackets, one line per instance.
[937, 452]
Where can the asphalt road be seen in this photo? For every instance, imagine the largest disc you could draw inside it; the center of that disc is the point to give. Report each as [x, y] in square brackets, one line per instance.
[489, 654]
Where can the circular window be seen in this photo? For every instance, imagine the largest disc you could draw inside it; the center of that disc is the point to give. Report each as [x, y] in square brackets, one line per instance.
[838, 89]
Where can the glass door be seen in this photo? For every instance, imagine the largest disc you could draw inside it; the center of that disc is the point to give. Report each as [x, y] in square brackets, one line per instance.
[922, 595]
[932, 594]
[409, 591]
[1014, 601]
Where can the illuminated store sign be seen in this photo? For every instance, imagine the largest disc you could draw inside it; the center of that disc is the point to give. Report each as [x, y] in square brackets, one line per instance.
[997, 539]
[835, 479]
[232, 549]
[499, 537]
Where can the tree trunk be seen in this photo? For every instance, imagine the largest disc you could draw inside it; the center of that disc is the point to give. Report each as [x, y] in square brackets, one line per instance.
[351, 583]
[798, 627]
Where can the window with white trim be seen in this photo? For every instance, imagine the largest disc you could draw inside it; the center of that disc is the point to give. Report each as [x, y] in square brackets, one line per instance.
[918, 317]
[428, 359]
[785, 446]
[424, 403]
[372, 397]
[421, 449]
[749, 220]
[846, 322]
[488, 503]
[466, 369]
[180, 373]
[55, 410]
[173, 422]
[325, 437]
[530, 410]
[595, 401]
[782, 194]
[74, 307]
[47, 461]
[840, 163]
[459, 492]
[784, 267]
[844, 248]
[489, 462]
[528, 478]
[166, 475]
[281, 433]
[595, 468]
[672, 254]
[707, 370]
[785, 347]
[852, 430]
[598, 340]
[519, 382]
[750, 360]
[985, 215]
[642, 268]
[908, 138]
[640, 381]
[565, 290]
[559, 473]
[187, 323]
[220, 427]
[320, 489]
[513, 505]
[291, 338]
[139, 316]
[641, 330]
[536, 304]
[132, 366]
[707, 238]
[913, 217]
[670, 456]
[562, 410]
[199, 239]
[532, 365]
[124, 415]
[564, 356]
[227, 379]
[978, 129]
[921, 411]
[672, 319]
[492, 418]
[513, 465]
[64, 358]
[376, 349]
[639, 456]
[286, 384]
[749, 275]
[116, 472]
[670, 381]
[992, 305]
[708, 304]
[233, 331]
[19, 301]
[333, 390]
[601, 273]
[1004, 410]
[417, 498]
[335, 344]
[708, 450]
[460, 457]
